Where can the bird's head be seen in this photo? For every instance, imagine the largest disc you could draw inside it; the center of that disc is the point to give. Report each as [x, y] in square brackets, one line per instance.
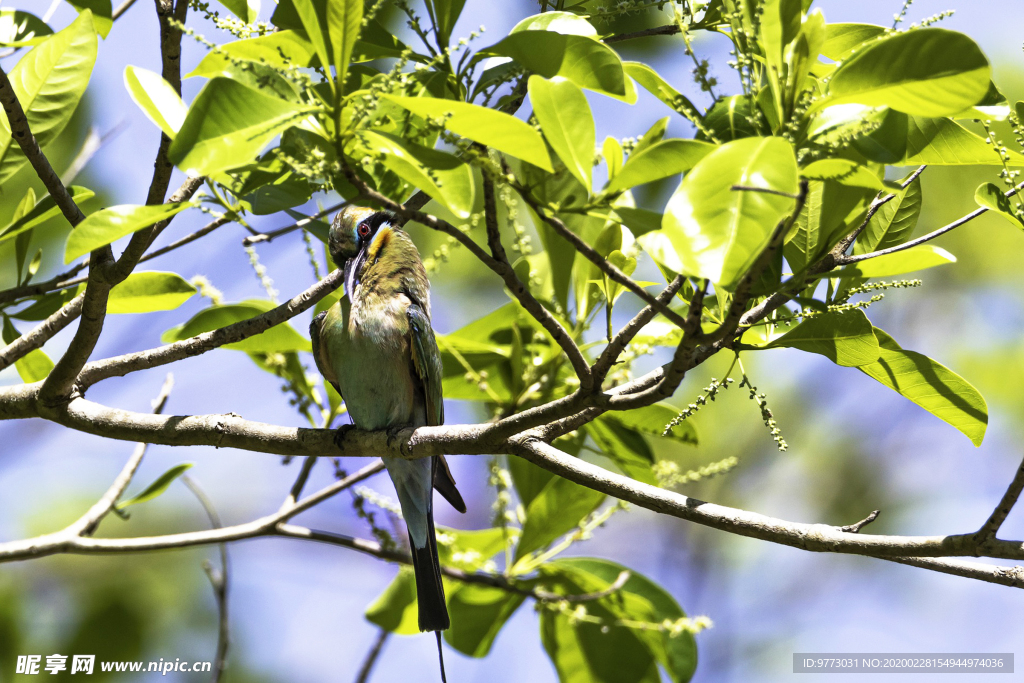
[356, 235]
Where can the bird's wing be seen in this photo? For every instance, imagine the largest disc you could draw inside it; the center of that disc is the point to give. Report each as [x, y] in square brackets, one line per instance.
[320, 351]
[426, 361]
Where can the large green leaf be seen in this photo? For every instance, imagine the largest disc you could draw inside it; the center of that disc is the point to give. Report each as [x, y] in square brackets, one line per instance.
[894, 222]
[18, 29]
[344, 18]
[907, 261]
[556, 510]
[147, 291]
[831, 211]
[729, 119]
[489, 127]
[930, 385]
[278, 339]
[625, 447]
[45, 209]
[926, 72]
[280, 49]
[102, 13]
[313, 18]
[583, 60]
[652, 82]
[35, 365]
[103, 227]
[660, 160]
[395, 609]
[444, 13]
[568, 125]
[652, 420]
[718, 232]
[441, 175]
[639, 600]
[846, 339]
[477, 614]
[156, 98]
[227, 126]
[49, 81]
[842, 39]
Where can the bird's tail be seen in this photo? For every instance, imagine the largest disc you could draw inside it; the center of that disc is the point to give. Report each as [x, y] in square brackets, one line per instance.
[429, 589]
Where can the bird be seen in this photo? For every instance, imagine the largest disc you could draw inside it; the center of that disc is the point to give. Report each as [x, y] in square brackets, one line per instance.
[376, 346]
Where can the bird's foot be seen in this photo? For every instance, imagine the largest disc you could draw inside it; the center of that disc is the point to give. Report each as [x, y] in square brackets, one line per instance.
[339, 435]
[393, 433]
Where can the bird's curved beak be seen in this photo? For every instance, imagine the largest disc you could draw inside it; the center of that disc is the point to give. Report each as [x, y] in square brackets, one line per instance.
[351, 269]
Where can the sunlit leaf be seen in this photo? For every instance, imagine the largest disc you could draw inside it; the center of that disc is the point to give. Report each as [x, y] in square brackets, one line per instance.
[227, 125]
[568, 125]
[45, 209]
[930, 385]
[49, 81]
[156, 98]
[926, 72]
[717, 231]
[992, 198]
[477, 615]
[659, 160]
[907, 261]
[102, 13]
[894, 222]
[846, 339]
[146, 291]
[344, 18]
[246, 10]
[278, 339]
[556, 510]
[842, 39]
[18, 29]
[395, 610]
[108, 225]
[33, 366]
[489, 127]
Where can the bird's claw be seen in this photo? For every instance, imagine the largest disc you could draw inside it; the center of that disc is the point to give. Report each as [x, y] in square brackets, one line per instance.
[393, 433]
[339, 435]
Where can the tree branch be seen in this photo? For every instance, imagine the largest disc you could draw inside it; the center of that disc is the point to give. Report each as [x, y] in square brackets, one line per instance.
[991, 526]
[268, 236]
[667, 30]
[41, 333]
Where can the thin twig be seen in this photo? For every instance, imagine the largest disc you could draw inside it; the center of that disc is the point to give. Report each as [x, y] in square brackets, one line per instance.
[124, 7]
[41, 333]
[991, 526]
[855, 528]
[372, 655]
[268, 236]
[218, 580]
[667, 30]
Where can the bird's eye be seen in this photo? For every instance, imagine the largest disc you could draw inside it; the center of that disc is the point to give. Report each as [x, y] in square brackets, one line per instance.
[364, 230]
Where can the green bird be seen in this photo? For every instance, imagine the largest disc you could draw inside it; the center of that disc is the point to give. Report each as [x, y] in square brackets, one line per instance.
[377, 348]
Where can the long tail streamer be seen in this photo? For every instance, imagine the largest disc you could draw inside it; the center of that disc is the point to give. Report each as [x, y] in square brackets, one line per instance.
[440, 656]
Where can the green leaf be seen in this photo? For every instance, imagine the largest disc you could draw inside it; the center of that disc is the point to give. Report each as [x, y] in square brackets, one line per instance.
[158, 486]
[894, 222]
[246, 10]
[227, 126]
[156, 98]
[313, 22]
[488, 127]
[611, 150]
[846, 339]
[281, 338]
[906, 261]
[659, 160]
[45, 209]
[568, 125]
[941, 142]
[585, 61]
[395, 609]
[18, 29]
[623, 446]
[49, 81]
[730, 119]
[107, 225]
[831, 211]
[925, 72]
[445, 13]
[650, 81]
[344, 18]
[639, 600]
[281, 49]
[719, 232]
[930, 385]
[144, 292]
[556, 510]
[842, 39]
[35, 365]
[993, 107]
[652, 420]
[376, 42]
[566, 23]
[441, 175]
[991, 197]
[477, 614]
[102, 14]
[843, 171]
[46, 305]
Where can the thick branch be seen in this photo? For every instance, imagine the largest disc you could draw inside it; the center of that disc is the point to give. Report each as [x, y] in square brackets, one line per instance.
[42, 332]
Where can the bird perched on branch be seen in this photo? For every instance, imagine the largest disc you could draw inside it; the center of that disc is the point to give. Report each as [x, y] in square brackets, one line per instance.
[377, 348]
